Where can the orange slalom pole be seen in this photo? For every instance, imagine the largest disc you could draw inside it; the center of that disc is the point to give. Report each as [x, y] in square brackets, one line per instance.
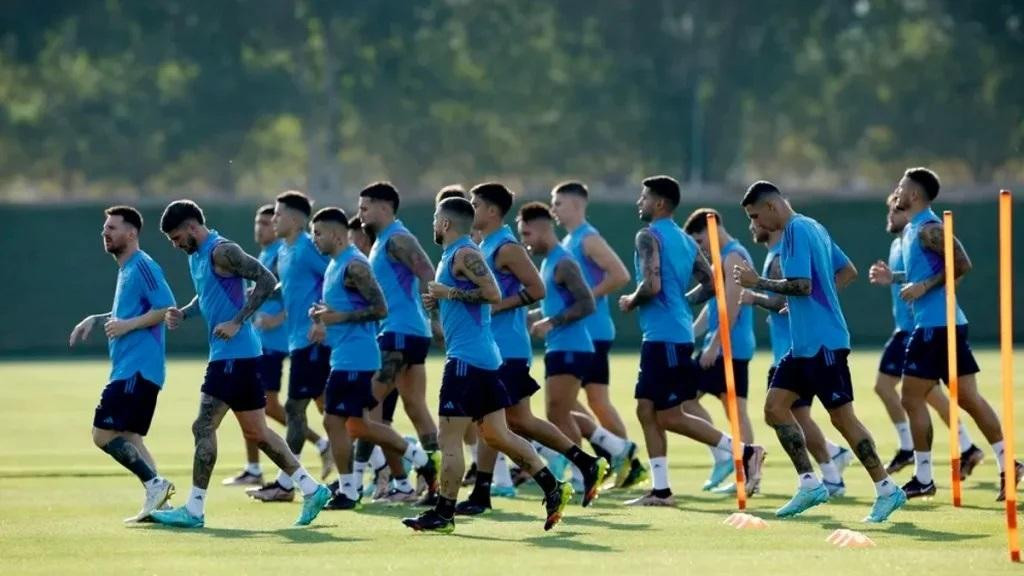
[1006, 354]
[954, 378]
[730, 378]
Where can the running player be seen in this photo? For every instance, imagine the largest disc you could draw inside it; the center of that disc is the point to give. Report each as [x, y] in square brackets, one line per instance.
[666, 262]
[136, 342]
[923, 287]
[816, 363]
[471, 391]
[219, 270]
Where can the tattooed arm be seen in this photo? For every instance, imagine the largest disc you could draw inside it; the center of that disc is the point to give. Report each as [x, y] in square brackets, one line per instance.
[407, 250]
[568, 274]
[932, 238]
[359, 278]
[649, 254]
[513, 257]
[230, 260]
[469, 263]
[746, 277]
[705, 287]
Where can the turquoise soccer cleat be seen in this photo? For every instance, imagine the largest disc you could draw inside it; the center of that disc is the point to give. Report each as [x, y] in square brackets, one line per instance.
[885, 505]
[722, 470]
[803, 499]
[178, 517]
[313, 504]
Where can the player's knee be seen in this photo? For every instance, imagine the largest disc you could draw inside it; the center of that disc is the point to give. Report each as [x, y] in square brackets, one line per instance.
[295, 409]
[493, 436]
[645, 412]
[774, 414]
[203, 429]
[100, 438]
[355, 427]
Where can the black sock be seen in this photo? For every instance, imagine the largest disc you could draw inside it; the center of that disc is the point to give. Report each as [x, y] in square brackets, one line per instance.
[665, 493]
[747, 452]
[482, 488]
[363, 450]
[601, 452]
[445, 507]
[581, 459]
[546, 480]
[128, 455]
[429, 442]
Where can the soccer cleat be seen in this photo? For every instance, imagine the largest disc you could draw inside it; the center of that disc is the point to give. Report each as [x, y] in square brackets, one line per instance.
[504, 491]
[1018, 469]
[156, 497]
[555, 503]
[382, 482]
[342, 502]
[901, 460]
[592, 480]
[396, 496]
[557, 466]
[428, 500]
[471, 508]
[917, 489]
[719, 473]
[312, 505]
[729, 488]
[272, 492]
[842, 459]
[752, 468]
[470, 478]
[327, 461]
[431, 521]
[519, 476]
[178, 517]
[884, 506]
[622, 463]
[969, 459]
[804, 499]
[650, 499]
[428, 472]
[637, 475]
[835, 490]
[244, 478]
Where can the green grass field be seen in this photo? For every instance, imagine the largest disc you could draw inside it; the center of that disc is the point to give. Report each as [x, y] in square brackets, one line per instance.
[62, 501]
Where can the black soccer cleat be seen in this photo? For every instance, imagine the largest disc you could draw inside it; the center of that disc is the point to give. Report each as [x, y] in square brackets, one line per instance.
[470, 478]
[342, 502]
[1018, 474]
[428, 500]
[917, 489]
[471, 508]
[431, 521]
[969, 460]
[555, 503]
[901, 460]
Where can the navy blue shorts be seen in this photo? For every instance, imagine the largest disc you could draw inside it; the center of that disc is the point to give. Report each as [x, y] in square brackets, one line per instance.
[927, 356]
[470, 392]
[800, 402]
[558, 363]
[127, 405]
[600, 369]
[712, 380]
[389, 405]
[271, 367]
[514, 374]
[825, 375]
[894, 354]
[668, 375]
[349, 393]
[413, 348]
[307, 375]
[236, 383]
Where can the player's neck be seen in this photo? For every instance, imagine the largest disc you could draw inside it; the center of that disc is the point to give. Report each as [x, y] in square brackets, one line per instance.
[125, 256]
[291, 237]
[723, 237]
[337, 250]
[385, 222]
[450, 239]
[914, 210]
[490, 228]
[573, 225]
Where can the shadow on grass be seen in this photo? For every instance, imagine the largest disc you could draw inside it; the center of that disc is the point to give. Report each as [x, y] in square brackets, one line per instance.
[923, 534]
[294, 535]
[565, 540]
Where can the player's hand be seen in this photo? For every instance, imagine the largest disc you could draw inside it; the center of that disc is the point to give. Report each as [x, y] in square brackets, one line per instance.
[116, 328]
[227, 330]
[784, 311]
[626, 303]
[746, 296]
[880, 274]
[429, 302]
[437, 290]
[259, 320]
[81, 330]
[540, 328]
[317, 310]
[173, 318]
[743, 275]
[708, 357]
[317, 332]
[911, 292]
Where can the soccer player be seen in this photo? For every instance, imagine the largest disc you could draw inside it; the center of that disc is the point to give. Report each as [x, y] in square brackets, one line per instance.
[300, 269]
[135, 340]
[520, 285]
[219, 270]
[890, 368]
[605, 274]
[667, 260]
[923, 287]
[352, 305]
[403, 271]
[816, 364]
[471, 391]
[712, 365]
[832, 459]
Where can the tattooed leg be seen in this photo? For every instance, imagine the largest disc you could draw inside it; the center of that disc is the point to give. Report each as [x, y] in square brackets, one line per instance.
[453, 464]
[297, 424]
[846, 421]
[779, 415]
[386, 379]
[127, 455]
[204, 430]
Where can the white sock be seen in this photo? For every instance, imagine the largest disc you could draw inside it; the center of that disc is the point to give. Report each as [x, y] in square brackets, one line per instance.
[608, 441]
[285, 480]
[1000, 452]
[809, 481]
[415, 454]
[305, 481]
[965, 437]
[833, 448]
[322, 444]
[358, 473]
[377, 458]
[196, 504]
[153, 481]
[473, 451]
[501, 477]
[723, 450]
[830, 472]
[577, 474]
[903, 432]
[885, 486]
[403, 484]
[923, 467]
[349, 486]
[254, 468]
[659, 471]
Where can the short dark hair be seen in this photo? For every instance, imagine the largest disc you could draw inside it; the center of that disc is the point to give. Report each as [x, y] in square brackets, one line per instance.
[665, 187]
[266, 210]
[534, 211]
[381, 191]
[572, 187]
[926, 179]
[331, 214]
[759, 190]
[296, 201]
[459, 210]
[698, 221]
[179, 212]
[128, 214]
[356, 223]
[495, 194]
[450, 191]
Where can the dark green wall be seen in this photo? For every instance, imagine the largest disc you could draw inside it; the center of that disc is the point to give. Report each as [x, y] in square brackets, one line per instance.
[57, 271]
